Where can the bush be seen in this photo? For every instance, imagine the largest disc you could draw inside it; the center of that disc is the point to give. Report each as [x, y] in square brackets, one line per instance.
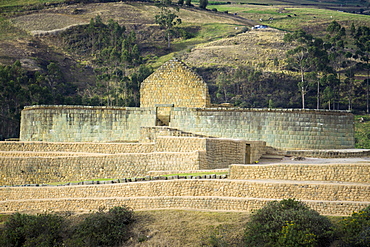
[103, 228]
[33, 230]
[354, 231]
[288, 223]
[50, 230]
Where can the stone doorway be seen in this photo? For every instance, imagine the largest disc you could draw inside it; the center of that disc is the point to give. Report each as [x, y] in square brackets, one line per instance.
[163, 114]
[248, 154]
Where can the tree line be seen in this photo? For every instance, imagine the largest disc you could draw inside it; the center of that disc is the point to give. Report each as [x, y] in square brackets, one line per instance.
[334, 68]
[333, 73]
[117, 61]
[330, 72]
[19, 88]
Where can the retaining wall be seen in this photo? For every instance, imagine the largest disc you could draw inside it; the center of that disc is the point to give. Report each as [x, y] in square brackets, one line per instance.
[79, 147]
[220, 153]
[38, 170]
[358, 172]
[330, 199]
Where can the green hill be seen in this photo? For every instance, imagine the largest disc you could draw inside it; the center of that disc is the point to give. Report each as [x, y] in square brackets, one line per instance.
[64, 59]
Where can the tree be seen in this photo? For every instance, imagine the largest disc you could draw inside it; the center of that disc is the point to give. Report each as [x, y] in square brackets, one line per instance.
[288, 223]
[362, 42]
[33, 230]
[349, 87]
[310, 59]
[110, 228]
[203, 4]
[355, 230]
[298, 58]
[223, 83]
[338, 58]
[167, 19]
[331, 89]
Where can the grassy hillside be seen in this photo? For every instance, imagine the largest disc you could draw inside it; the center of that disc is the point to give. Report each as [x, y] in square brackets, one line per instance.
[220, 46]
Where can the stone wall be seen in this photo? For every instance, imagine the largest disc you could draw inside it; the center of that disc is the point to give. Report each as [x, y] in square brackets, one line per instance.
[358, 172]
[38, 170]
[219, 153]
[279, 128]
[174, 83]
[84, 123]
[42, 162]
[205, 194]
[77, 147]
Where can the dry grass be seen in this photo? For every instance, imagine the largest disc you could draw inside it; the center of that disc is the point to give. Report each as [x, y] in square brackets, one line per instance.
[187, 228]
[255, 48]
[175, 228]
[126, 14]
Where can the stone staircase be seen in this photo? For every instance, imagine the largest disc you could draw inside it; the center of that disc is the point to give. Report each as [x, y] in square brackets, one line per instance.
[149, 134]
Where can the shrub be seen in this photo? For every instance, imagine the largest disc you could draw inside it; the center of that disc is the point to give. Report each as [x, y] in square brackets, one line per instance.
[33, 230]
[288, 223]
[103, 228]
[355, 230]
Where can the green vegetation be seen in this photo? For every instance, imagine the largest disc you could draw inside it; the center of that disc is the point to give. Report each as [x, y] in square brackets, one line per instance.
[33, 230]
[196, 174]
[103, 228]
[97, 229]
[9, 31]
[18, 90]
[288, 223]
[168, 175]
[12, 3]
[75, 182]
[292, 18]
[362, 131]
[354, 231]
[167, 19]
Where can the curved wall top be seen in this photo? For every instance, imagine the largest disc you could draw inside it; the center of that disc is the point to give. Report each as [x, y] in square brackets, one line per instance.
[280, 128]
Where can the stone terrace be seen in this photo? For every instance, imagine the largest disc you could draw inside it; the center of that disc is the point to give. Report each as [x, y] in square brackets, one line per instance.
[331, 187]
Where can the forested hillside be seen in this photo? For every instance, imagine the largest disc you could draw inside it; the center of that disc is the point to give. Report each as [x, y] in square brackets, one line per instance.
[98, 52]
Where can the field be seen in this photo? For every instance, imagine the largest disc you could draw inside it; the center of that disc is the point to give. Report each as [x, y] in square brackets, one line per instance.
[188, 228]
[207, 25]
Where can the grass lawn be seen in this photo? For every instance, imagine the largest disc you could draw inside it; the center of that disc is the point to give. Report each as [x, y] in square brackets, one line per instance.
[292, 17]
[13, 3]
